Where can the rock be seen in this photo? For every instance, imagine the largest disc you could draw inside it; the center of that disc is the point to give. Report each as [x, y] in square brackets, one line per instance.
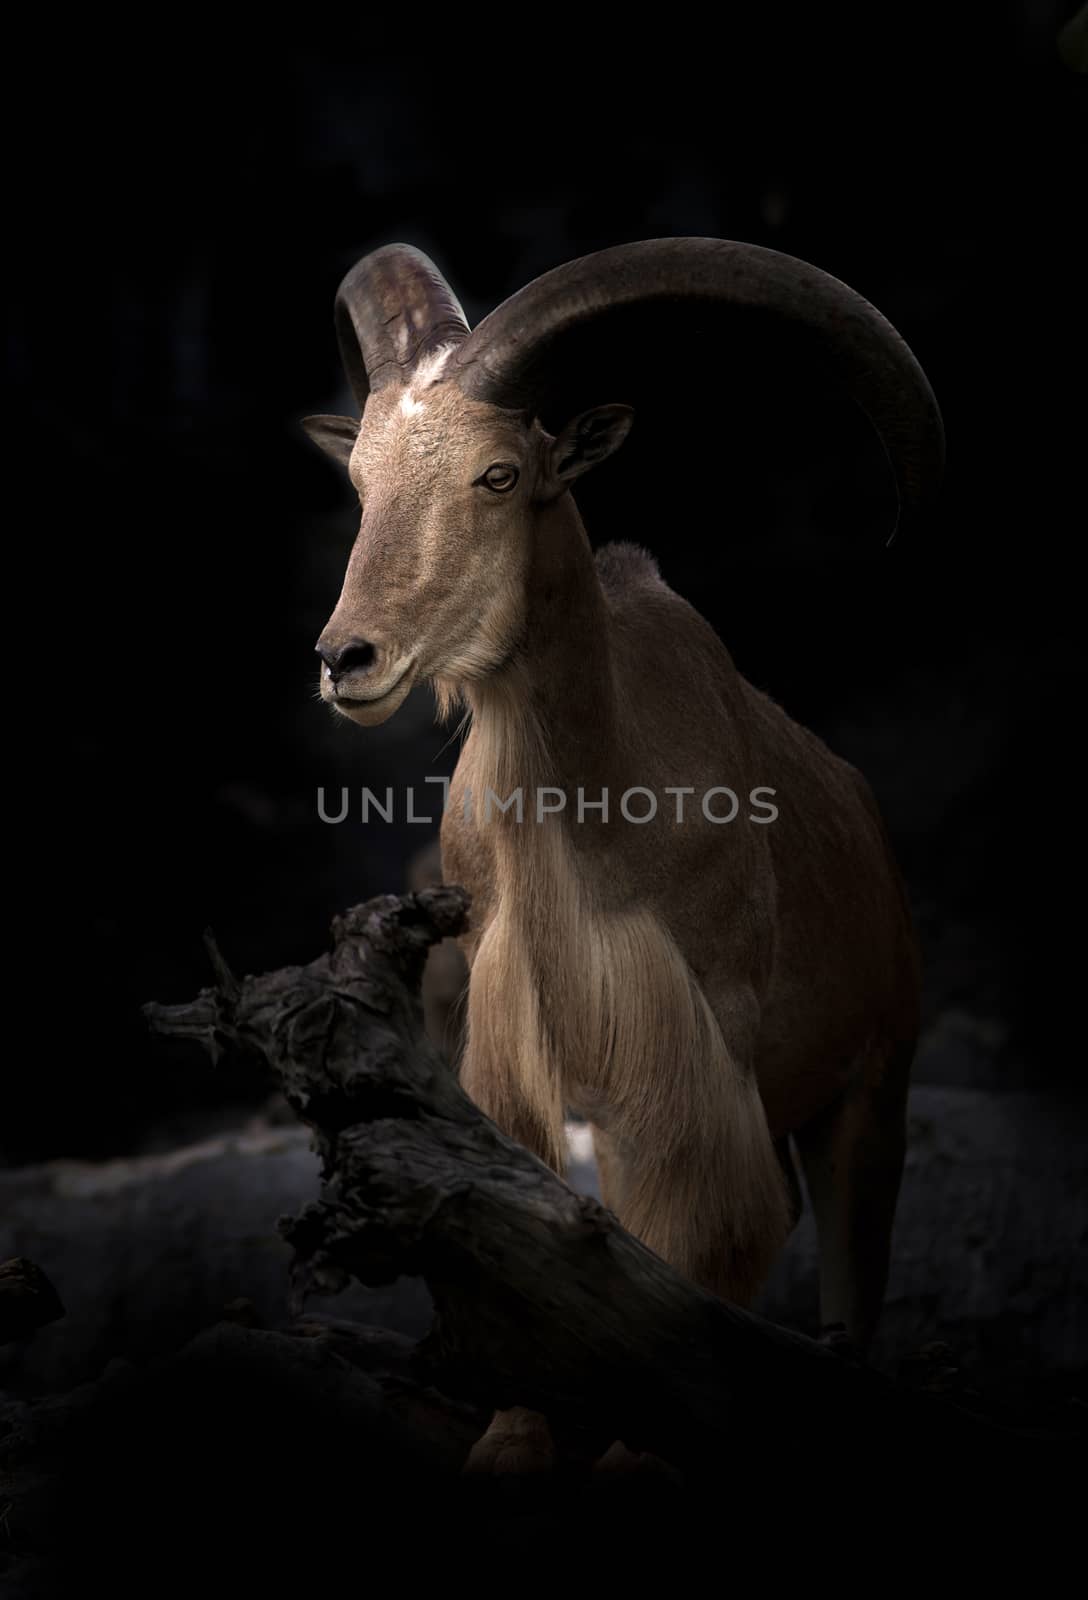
[146, 1252]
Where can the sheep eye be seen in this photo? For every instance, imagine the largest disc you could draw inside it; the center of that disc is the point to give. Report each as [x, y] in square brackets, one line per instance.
[499, 478]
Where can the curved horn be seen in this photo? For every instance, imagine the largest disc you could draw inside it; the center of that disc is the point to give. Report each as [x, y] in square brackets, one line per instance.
[392, 309]
[640, 301]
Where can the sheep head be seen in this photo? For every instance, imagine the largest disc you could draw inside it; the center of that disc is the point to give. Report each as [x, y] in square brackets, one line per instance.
[453, 459]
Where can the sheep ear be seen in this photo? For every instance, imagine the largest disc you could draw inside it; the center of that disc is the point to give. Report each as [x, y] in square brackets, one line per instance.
[335, 435]
[589, 438]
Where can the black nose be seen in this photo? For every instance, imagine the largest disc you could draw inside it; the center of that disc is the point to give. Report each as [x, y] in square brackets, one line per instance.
[357, 653]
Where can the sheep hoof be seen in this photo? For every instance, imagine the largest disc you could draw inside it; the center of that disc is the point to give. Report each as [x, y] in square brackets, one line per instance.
[517, 1444]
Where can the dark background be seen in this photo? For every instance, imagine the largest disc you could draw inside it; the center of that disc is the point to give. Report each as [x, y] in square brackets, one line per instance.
[186, 204]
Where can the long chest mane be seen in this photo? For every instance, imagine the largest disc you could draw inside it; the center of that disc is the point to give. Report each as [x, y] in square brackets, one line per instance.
[577, 1002]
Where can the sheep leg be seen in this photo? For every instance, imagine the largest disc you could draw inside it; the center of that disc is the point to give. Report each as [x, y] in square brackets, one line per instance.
[693, 1170]
[784, 1152]
[717, 1210]
[517, 1440]
[718, 1204]
[852, 1157]
[607, 1169]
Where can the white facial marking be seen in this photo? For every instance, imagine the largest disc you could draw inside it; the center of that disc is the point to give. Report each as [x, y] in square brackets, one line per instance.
[430, 369]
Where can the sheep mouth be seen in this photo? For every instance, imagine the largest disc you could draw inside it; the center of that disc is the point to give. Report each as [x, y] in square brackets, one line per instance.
[368, 710]
[352, 701]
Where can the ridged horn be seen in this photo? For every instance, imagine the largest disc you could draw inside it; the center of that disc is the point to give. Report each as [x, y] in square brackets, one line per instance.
[659, 303]
[392, 309]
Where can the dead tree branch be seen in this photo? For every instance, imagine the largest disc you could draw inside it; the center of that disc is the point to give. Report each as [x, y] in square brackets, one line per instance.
[542, 1298]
